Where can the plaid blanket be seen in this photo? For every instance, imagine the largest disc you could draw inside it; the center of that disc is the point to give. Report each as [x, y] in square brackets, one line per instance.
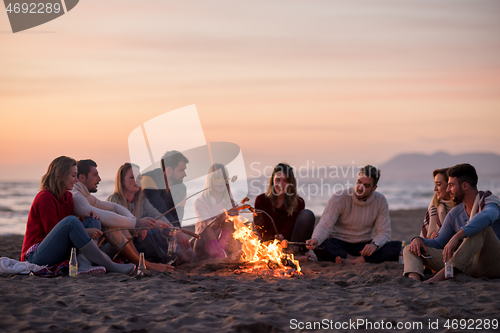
[482, 198]
[434, 218]
[56, 270]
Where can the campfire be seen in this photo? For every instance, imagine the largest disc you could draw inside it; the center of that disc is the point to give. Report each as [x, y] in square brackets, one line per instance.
[261, 258]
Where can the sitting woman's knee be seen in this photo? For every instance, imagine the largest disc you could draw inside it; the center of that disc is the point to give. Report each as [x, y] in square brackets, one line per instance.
[306, 215]
[91, 222]
[71, 220]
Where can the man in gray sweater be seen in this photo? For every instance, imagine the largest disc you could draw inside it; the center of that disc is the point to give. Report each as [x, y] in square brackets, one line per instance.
[355, 226]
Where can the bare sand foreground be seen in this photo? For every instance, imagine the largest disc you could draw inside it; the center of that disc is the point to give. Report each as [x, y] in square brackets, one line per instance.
[213, 298]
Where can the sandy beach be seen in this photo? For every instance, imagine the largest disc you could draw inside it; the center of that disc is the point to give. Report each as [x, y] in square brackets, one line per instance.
[212, 297]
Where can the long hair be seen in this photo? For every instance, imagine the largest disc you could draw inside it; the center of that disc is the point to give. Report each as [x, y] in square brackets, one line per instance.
[58, 170]
[119, 193]
[444, 173]
[217, 170]
[291, 196]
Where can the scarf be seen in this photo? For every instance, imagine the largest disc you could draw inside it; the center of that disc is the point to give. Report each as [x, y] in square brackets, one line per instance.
[483, 198]
[434, 218]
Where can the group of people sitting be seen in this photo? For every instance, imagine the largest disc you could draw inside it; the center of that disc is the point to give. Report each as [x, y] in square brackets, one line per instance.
[145, 211]
[462, 225]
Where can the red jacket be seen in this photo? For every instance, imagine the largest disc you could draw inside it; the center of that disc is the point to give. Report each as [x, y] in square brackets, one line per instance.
[45, 212]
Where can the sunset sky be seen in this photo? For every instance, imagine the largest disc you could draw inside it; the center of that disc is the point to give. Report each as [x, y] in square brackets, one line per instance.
[287, 80]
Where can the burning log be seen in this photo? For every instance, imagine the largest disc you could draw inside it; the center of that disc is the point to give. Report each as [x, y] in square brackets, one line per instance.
[265, 257]
[273, 265]
[289, 263]
[268, 271]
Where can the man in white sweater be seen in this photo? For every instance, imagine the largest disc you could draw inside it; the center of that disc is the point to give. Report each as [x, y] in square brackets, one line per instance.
[111, 214]
[355, 226]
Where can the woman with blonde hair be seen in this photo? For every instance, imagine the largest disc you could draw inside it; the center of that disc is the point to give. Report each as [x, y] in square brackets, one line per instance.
[52, 229]
[439, 207]
[285, 215]
[128, 194]
[210, 208]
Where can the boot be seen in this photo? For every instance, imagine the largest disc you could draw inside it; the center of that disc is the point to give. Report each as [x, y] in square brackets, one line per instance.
[96, 256]
[214, 249]
[85, 266]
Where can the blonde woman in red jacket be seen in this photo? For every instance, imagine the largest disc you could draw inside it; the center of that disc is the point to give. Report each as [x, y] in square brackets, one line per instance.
[52, 229]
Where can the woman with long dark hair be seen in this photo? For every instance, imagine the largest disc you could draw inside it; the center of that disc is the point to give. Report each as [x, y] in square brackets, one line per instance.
[285, 215]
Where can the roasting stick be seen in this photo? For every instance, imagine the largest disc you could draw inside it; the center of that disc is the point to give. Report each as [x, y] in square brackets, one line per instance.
[123, 229]
[191, 218]
[233, 179]
[190, 233]
[255, 211]
[197, 236]
[285, 243]
[229, 191]
[215, 219]
[125, 245]
[187, 232]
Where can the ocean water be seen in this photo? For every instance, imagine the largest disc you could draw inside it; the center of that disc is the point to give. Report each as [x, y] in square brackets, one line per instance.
[16, 197]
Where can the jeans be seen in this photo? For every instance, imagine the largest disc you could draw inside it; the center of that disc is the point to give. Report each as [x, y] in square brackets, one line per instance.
[154, 246]
[90, 222]
[333, 248]
[56, 247]
[303, 228]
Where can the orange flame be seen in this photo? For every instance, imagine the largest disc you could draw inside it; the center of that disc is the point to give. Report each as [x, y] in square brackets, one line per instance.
[268, 258]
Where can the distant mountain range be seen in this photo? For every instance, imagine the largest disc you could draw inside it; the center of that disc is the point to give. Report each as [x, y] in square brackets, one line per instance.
[421, 165]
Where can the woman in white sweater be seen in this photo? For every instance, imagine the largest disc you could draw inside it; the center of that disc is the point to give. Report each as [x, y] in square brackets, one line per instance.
[210, 208]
